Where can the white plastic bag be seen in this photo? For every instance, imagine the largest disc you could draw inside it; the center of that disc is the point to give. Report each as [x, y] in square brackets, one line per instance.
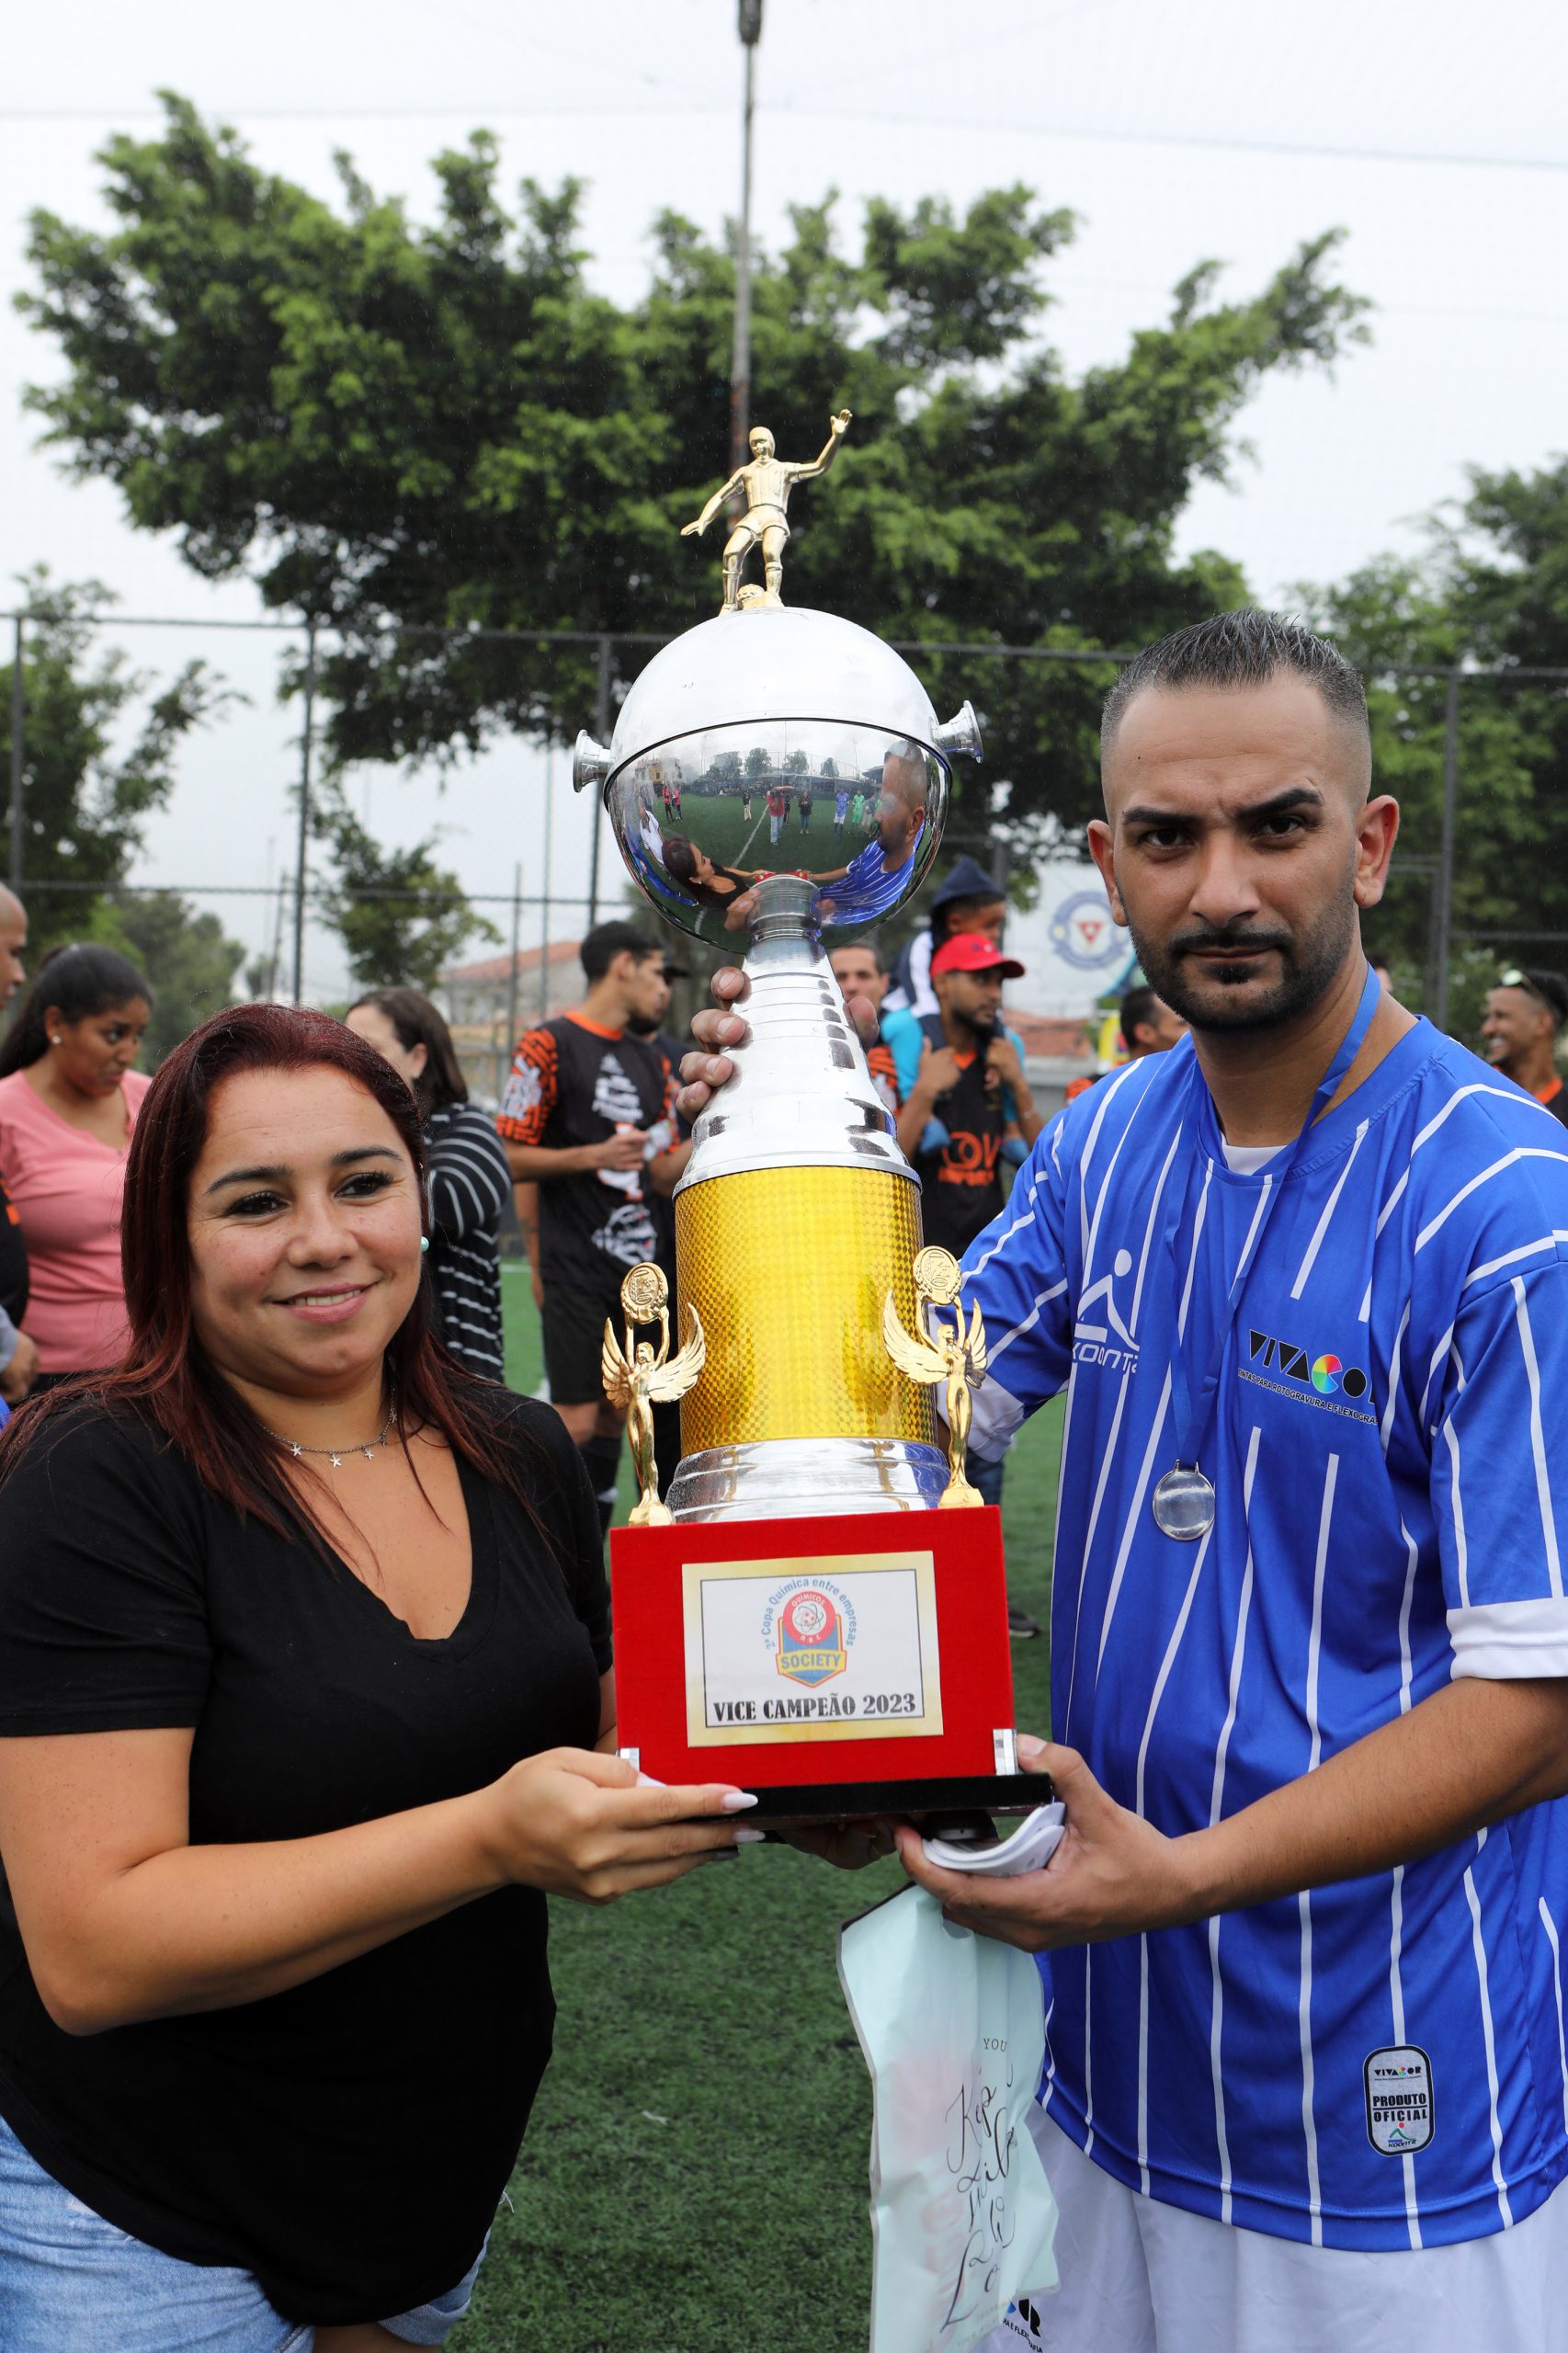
[953, 2029]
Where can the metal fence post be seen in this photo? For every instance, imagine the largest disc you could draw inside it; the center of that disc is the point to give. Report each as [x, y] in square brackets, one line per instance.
[18, 751]
[305, 747]
[512, 976]
[1443, 902]
[601, 731]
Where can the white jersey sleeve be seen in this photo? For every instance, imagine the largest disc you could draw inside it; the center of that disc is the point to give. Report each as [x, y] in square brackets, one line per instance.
[1500, 1476]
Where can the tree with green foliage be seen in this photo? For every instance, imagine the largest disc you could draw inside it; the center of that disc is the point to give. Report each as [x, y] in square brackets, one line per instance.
[403, 429]
[85, 801]
[1490, 599]
[189, 962]
[400, 916]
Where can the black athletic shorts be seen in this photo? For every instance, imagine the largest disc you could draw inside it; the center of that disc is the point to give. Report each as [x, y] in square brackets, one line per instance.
[573, 1321]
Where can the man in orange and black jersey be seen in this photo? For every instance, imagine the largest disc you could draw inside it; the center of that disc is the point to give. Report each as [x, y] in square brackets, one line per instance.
[587, 1117]
[859, 972]
[970, 1097]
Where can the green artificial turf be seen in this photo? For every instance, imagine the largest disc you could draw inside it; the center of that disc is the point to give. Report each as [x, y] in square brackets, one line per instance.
[694, 2179]
[718, 825]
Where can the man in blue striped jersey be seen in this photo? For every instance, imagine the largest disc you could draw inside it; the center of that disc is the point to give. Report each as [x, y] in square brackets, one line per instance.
[1305, 1282]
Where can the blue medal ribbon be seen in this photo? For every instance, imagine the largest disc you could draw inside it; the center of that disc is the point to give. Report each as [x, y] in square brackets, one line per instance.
[1187, 1506]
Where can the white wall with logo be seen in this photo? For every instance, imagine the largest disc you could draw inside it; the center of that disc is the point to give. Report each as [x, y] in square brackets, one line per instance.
[1071, 950]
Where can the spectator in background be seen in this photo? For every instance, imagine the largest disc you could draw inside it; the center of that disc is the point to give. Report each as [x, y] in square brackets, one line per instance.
[970, 1112]
[69, 1096]
[587, 1116]
[18, 1356]
[466, 1174]
[859, 972]
[968, 900]
[1525, 1014]
[648, 1022]
[1148, 1025]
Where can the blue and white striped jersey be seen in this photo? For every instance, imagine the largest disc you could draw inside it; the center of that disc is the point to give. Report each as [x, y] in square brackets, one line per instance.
[1380, 2063]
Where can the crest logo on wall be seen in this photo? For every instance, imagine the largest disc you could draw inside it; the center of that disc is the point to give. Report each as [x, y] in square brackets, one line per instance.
[1083, 934]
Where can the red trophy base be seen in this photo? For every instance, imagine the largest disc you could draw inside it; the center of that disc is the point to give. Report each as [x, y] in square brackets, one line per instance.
[838, 1667]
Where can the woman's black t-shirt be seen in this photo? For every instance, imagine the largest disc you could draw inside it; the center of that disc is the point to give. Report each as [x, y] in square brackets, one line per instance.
[346, 2141]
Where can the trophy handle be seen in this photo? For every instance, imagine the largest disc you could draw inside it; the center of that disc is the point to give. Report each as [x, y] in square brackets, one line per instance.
[590, 761]
[958, 736]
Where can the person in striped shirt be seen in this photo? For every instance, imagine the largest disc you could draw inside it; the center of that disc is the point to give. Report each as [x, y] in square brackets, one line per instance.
[1304, 1280]
[465, 1170]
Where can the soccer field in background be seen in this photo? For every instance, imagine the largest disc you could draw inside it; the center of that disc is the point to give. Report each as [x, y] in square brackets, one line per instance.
[695, 2178]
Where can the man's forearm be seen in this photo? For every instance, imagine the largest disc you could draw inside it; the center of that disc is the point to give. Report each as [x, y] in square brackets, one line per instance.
[912, 1120]
[666, 1168]
[1468, 1756]
[531, 1163]
[1030, 1121]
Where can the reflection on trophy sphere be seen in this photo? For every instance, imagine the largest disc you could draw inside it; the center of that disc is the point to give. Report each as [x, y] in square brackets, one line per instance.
[778, 764]
[937, 1276]
[645, 1295]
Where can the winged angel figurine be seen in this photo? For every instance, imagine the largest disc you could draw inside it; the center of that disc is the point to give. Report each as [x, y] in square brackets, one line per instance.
[638, 1377]
[955, 1356]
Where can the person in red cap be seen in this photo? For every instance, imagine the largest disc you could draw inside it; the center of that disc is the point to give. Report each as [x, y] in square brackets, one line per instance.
[969, 1115]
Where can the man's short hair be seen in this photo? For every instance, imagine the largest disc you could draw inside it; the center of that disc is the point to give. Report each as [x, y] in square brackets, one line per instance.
[608, 940]
[869, 943]
[1241, 649]
[1548, 989]
[1137, 1008]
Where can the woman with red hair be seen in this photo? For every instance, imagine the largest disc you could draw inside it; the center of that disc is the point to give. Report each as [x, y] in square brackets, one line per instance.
[303, 1659]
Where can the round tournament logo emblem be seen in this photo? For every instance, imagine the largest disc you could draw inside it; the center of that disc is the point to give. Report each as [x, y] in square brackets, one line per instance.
[811, 1638]
[1083, 934]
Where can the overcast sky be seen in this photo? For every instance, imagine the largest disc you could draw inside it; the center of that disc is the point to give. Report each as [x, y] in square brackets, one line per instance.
[1434, 135]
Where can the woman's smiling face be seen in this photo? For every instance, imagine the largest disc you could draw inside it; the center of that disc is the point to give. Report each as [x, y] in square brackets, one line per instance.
[304, 1224]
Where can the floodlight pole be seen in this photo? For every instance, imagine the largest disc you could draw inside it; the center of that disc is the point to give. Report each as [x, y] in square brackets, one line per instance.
[750, 28]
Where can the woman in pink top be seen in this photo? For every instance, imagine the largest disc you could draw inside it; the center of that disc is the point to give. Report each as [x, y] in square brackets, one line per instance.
[68, 1103]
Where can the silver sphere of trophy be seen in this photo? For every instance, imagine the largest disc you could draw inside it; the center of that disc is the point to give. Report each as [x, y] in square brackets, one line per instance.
[776, 769]
[777, 778]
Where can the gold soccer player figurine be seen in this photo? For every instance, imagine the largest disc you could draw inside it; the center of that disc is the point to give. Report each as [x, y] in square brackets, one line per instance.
[954, 1356]
[766, 483]
[637, 1378]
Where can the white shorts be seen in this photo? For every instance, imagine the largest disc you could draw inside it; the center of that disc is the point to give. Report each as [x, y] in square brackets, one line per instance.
[1141, 2276]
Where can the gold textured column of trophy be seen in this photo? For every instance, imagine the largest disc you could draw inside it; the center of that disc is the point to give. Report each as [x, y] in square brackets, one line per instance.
[813, 781]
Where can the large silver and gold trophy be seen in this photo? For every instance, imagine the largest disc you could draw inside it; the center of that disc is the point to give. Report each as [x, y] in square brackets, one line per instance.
[778, 781]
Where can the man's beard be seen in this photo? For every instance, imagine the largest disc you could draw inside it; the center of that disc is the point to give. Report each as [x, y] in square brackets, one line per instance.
[1308, 967]
[642, 1025]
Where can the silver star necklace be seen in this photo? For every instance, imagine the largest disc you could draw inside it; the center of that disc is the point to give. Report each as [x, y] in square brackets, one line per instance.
[335, 1454]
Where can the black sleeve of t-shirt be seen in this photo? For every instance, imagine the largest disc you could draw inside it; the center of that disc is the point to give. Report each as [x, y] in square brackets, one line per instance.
[553, 1471]
[103, 1617]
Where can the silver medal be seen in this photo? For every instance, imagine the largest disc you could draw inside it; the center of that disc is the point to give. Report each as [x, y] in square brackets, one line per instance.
[1183, 1503]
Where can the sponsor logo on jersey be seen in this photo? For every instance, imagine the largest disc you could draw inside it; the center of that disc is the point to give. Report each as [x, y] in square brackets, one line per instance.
[1398, 2086]
[1291, 1371]
[1101, 1334]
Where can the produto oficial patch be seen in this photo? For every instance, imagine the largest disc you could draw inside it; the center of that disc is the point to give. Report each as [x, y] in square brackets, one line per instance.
[1399, 2099]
